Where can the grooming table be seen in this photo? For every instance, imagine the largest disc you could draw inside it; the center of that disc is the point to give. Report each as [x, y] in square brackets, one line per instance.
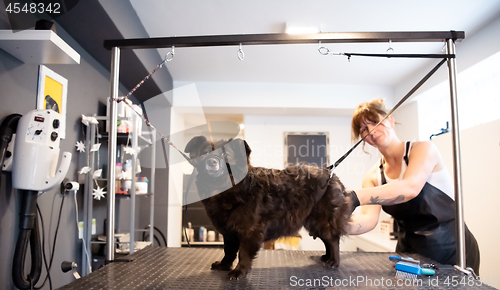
[189, 268]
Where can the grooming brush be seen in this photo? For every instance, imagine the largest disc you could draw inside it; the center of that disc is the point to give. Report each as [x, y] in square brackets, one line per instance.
[406, 270]
[401, 259]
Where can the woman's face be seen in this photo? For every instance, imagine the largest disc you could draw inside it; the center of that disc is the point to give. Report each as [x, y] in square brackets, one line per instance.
[380, 136]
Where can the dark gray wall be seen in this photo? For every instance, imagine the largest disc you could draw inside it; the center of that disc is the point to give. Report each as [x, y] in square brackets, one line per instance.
[88, 88]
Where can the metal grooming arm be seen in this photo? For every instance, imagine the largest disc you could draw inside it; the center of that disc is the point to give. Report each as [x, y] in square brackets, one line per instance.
[325, 37]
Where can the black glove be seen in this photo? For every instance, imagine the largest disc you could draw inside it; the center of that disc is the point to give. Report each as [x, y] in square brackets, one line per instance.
[353, 198]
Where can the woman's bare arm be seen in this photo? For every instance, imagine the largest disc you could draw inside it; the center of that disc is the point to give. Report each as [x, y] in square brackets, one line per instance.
[423, 159]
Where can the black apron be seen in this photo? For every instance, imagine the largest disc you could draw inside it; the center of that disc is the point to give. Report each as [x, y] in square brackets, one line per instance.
[427, 225]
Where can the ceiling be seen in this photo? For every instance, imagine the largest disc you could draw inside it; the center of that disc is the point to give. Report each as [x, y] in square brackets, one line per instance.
[91, 22]
[303, 63]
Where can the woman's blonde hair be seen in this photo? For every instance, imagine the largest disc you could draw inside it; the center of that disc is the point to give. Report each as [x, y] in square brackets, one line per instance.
[372, 111]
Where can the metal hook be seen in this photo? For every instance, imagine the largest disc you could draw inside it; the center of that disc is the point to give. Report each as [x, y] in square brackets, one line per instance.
[326, 51]
[170, 55]
[390, 49]
[323, 50]
[241, 54]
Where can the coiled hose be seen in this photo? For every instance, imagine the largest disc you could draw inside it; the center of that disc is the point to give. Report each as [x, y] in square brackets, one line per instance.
[28, 224]
[28, 232]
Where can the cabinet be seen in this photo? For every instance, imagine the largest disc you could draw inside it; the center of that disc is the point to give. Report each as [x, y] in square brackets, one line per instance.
[94, 233]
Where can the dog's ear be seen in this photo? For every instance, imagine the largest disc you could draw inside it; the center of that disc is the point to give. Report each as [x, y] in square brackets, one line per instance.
[240, 151]
[238, 141]
[195, 143]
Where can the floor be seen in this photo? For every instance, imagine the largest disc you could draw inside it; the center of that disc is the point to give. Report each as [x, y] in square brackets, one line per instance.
[189, 268]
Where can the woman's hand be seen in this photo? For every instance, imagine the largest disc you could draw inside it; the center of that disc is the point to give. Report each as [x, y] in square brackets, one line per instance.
[365, 221]
[368, 218]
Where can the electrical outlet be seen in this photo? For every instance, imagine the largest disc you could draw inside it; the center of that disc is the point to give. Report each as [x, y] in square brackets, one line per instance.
[94, 227]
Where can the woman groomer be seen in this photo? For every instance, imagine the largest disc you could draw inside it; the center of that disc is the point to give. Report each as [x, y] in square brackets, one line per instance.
[412, 184]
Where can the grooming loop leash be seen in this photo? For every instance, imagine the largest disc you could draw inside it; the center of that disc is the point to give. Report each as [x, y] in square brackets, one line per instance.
[389, 54]
[163, 137]
[168, 57]
[409, 94]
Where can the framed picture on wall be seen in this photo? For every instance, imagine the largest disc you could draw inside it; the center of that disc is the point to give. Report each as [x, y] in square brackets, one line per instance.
[52, 95]
[308, 147]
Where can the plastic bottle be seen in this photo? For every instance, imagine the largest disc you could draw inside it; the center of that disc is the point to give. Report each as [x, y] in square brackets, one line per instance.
[189, 233]
[127, 168]
[122, 127]
[203, 234]
[128, 126]
[118, 172]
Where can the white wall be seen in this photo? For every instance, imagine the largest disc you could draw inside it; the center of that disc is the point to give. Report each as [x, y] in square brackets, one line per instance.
[480, 151]
[474, 48]
[407, 122]
[282, 98]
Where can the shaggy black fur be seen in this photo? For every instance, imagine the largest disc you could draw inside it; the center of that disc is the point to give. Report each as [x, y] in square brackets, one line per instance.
[265, 204]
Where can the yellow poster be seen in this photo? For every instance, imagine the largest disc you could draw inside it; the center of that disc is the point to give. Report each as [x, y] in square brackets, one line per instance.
[53, 95]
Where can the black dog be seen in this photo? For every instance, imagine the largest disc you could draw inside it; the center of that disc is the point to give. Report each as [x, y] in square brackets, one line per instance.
[249, 205]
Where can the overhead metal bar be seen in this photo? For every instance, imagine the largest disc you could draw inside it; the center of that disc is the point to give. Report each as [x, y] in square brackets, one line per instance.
[284, 38]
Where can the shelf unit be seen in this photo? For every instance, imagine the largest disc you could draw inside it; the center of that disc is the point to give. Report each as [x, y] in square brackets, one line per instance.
[38, 46]
[203, 244]
[138, 143]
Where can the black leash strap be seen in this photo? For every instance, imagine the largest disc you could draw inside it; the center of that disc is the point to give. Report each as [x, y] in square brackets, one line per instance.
[413, 90]
[163, 140]
[391, 55]
[164, 151]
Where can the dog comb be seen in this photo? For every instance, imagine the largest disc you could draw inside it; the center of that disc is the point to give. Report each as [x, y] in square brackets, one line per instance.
[406, 270]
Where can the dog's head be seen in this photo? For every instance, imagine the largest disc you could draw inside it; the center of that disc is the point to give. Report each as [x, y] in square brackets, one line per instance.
[220, 160]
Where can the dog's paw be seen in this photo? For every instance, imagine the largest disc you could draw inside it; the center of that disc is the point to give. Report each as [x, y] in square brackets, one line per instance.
[236, 274]
[220, 267]
[331, 263]
[323, 258]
